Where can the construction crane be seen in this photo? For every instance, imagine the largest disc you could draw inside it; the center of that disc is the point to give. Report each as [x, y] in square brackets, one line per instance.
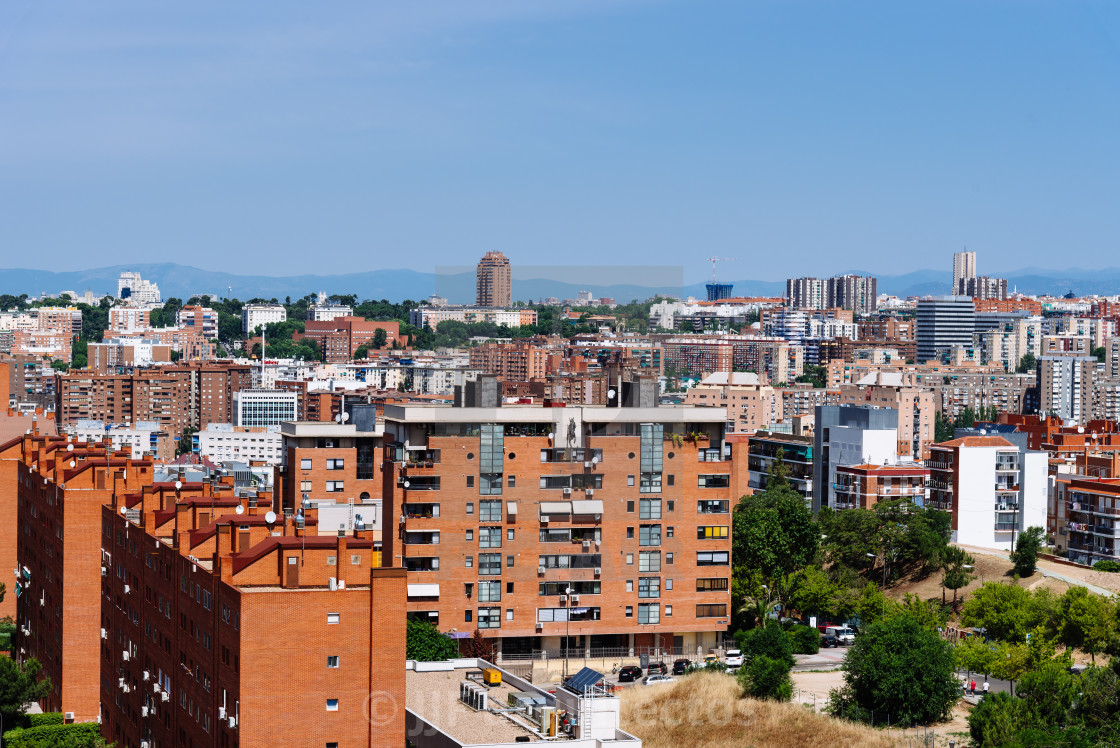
[714, 260]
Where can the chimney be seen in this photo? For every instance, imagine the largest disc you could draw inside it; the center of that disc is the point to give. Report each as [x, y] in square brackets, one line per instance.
[225, 539]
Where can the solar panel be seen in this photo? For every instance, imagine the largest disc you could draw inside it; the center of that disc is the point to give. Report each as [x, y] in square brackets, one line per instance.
[583, 680]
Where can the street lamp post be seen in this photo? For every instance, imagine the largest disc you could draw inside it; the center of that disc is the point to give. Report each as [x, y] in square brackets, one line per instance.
[567, 628]
[872, 555]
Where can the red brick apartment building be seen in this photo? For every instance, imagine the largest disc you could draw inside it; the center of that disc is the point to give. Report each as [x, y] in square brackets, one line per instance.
[496, 511]
[341, 337]
[188, 614]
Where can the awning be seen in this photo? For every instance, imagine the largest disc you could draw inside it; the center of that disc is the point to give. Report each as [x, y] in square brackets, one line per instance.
[555, 507]
[511, 507]
[590, 506]
[423, 590]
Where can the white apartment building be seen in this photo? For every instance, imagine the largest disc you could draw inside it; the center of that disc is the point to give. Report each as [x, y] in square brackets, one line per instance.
[432, 316]
[24, 321]
[258, 315]
[328, 312]
[133, 289]
[224, 441]
[993, 489]
[264, 407]
[137, 438]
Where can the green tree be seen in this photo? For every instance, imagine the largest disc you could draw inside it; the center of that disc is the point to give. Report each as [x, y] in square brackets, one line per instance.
[975, 655]
[361, 353]
[19, 687]
[766, 678]
[953, 562]
[1007, 612]
[812, 591]
[425, 643]
[1100, 353]
[774, 533]
[900, 672]
[186, 442]
[1027, 546]
[379, 338]
[1085, 621]
[1027, 364]
[942, 428]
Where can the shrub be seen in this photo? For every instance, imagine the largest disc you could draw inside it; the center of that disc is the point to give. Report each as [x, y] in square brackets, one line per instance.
[996, 720]
[766, 678]
[769, 641]
[39, 720]
[805, 639]
[80, 735]
[1107, 564]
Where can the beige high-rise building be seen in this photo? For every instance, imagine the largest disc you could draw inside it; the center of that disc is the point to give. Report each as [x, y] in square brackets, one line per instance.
[494, 281]
[964, 267]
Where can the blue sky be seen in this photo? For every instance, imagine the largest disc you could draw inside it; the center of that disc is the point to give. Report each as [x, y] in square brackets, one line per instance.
[290, 137]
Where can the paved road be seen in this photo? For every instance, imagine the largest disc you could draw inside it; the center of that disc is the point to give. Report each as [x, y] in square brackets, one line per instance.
[1045, 572]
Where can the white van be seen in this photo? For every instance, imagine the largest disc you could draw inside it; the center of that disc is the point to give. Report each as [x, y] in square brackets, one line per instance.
[843, 634]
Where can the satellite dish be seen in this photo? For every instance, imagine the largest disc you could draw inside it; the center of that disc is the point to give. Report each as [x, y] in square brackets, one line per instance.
[73, 464]
[178, 484]
[124, 509]
[611, 392]
[69, 447]
[240, 509]
[407, 484]
[270, 517]
[551, 436]
[1081, 429]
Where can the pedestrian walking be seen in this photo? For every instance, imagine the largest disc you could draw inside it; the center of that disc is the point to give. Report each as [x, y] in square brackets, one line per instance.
[985, 687]
[972, 687]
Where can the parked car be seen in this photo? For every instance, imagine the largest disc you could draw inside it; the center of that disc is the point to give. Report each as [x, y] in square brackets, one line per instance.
[733, 658]
[708, 659]
[680, 667]
[654, 680]
[657, 668]
[629, 674]
[828, 640]
[843, 634]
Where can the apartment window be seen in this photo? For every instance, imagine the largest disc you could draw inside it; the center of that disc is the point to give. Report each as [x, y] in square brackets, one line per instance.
[489, 563]
[510, 481]
[668, 611]
[509, 561]
[489, 592]
[629, 532]
[630, 482]
[490, 484]
[671, 478]
[649, 587]
[305, 463]
[629, 611]
[649, 535]
[509, 533]
[711, 585]
[649, 613]
[669, 531]
[668, 584]
[672, 504]
[704, 610]
[470, 507]
[332, 705]
[489, 618]
[336, 463]
[668, 558]
[712, 532]
[470, 535]
[629, 585]
[467, 614]
[332, 617]
[489, 537]
[305, 486]
[649, 561]
[649, 509]
[713, 481]
[332, 661]
[489, 511]
[355, 559]
[332, 560]
[470, 561]
[712, 558]
[509, 588]
[630, 507]
[334, 486]
[629, 559]
[470, 481]
[509, 614]
[711, 507]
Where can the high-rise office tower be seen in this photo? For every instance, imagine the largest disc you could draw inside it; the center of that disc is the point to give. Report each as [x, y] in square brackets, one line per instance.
[964, 267]
[944, 322]
[494, 281]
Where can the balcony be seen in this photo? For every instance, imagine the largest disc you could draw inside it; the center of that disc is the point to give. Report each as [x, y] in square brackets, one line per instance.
[935, 465]
[421, 538]
[1007, 526]
[419, 483]
[572, 455]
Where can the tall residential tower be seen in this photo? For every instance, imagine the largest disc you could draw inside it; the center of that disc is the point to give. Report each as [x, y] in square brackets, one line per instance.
[494, 281]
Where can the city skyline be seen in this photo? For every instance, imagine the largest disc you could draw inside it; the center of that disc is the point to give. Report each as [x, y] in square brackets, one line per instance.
[850, 138]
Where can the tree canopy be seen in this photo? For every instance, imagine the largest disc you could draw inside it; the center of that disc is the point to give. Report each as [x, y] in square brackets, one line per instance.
[425, 643]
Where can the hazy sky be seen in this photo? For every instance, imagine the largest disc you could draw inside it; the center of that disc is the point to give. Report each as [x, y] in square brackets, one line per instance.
[289, 137]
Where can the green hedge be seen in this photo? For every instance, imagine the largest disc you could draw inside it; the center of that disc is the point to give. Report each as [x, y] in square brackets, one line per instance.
[806, 640]
[1107, 565]
[54, 735]
[41, 720]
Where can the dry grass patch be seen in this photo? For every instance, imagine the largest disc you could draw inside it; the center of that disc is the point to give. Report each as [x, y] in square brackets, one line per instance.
[705, 709]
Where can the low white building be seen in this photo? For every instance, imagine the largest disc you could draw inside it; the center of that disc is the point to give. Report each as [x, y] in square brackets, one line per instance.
[223, 441]
[264, 407]
[993, 489]
[140, 438]
[259, 315]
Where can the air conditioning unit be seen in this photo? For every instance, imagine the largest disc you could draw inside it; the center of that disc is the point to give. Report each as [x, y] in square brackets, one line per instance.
[42, 600]
[544, 519]
[342, 584]
[143, 711]
[567, 492]
[120, 682]
[563, 598]
[539, 625]
[155, 687]
[124, 655]
[590, 492]
[68, 716]
[575, 599]
[221, 712]
[127, 589]
[598, 517]
[587, 464]
[104, 634]
[127, 688]
[586, 544]
[165, 696]
[104, 571]
[233, 723]
[332, 583]
[146, 676]
[598, 571]
[143, 744]
[540, 570]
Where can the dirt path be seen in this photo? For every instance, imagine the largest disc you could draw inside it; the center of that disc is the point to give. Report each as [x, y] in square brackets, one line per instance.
[1100, 582]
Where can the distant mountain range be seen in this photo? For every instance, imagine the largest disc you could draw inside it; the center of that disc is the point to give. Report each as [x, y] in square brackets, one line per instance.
[184, 281]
